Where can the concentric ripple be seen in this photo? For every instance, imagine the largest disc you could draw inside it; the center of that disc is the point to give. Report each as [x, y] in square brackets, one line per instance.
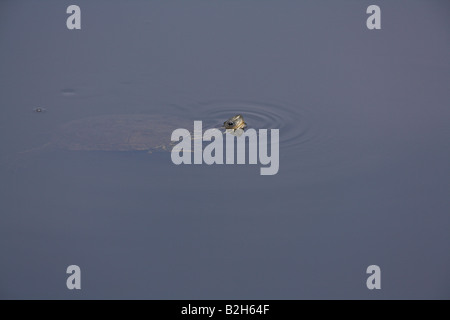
[292, 121]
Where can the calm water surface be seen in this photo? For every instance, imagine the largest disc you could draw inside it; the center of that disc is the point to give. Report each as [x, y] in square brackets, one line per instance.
[364, 150]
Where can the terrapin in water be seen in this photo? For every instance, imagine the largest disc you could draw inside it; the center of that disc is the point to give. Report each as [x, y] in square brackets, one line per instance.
[234, 123]
[126, 132]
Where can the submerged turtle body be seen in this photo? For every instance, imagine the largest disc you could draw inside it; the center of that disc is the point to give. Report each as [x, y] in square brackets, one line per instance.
[127, 132]
[135, 132]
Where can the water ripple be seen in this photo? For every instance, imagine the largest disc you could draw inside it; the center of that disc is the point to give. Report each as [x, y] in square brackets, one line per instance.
[294, 122]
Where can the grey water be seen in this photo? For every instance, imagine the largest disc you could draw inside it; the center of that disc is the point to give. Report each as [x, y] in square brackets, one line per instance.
[364, 120]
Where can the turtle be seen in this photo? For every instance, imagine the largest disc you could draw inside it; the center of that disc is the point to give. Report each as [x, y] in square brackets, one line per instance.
[126, 132]
[235, 123]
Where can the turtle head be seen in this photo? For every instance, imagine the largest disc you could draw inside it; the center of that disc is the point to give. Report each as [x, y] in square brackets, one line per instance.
[236, 122]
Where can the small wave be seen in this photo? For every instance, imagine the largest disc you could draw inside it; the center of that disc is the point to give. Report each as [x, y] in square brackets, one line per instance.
[292, 121]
